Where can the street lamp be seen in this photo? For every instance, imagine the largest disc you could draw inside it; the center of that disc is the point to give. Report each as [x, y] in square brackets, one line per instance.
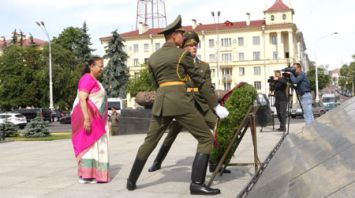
[217, 42]
[315, 57]
[43, 28]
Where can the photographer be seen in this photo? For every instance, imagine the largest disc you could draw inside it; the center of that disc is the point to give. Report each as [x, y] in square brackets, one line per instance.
[303, 90]
[278, 85]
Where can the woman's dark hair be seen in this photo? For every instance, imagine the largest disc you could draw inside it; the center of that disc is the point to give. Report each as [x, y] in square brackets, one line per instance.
[92, 60]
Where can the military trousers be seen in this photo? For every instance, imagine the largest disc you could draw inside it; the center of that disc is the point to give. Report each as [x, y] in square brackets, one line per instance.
[192, 122]
[175, 128]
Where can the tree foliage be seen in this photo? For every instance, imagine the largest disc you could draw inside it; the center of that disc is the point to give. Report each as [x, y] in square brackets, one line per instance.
[115, 74]
[142, 82]
[323, 79]
[347, 76]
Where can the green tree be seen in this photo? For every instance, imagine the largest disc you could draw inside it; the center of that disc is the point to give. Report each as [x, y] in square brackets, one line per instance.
[115, 74]
[142, 82]
[25, 80]
[77, 41]
[84, 44]
[14, 38]
[323, 79]
[347, 76]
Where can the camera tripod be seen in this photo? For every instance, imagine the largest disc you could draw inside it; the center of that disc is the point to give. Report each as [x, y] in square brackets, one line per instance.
[290, 87]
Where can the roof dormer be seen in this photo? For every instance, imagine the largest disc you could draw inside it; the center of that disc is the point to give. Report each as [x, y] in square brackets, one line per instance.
[278, 13]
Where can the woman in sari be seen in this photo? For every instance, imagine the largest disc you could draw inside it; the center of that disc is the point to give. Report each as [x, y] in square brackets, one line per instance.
[90, 126]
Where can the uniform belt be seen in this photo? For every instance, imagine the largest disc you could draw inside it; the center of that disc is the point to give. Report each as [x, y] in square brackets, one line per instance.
[171, 83]
[192, 89]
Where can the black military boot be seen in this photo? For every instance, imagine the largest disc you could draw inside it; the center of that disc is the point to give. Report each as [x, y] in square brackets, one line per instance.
[199, 167]
[135, 172]
[213, 165]
[160, 158]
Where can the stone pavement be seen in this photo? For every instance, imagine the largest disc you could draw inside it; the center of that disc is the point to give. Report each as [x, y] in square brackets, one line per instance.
[48, 169]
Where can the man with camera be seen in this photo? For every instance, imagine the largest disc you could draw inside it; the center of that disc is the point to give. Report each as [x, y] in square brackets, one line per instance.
[278, 84]
[303, 89]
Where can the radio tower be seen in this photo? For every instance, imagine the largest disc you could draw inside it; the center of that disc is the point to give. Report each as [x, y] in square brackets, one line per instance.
[151, 13]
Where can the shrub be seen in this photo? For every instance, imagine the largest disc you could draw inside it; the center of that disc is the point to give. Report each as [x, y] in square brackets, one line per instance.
[36, 128]
[9, 129]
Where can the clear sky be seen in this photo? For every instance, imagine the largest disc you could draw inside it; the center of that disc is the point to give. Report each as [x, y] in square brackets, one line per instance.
[315, 18]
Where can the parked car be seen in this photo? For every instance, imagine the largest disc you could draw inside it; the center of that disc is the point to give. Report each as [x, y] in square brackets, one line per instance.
[45, 113]
[318, 109]
[65, 119]
[15, 118]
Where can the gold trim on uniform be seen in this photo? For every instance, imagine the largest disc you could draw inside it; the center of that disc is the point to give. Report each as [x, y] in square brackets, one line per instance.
[192, 89]
[177, 68]
[171, 83]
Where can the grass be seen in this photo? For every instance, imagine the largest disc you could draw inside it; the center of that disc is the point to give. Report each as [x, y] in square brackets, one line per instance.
[51, 137]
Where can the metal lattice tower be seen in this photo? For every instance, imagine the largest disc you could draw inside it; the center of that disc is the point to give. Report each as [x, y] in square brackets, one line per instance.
[151, 13]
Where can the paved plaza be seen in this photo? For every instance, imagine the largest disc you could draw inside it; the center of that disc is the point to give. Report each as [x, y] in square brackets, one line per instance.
[48, 169]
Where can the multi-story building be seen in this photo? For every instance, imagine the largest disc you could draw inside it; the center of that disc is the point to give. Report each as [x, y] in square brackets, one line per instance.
[247, 51]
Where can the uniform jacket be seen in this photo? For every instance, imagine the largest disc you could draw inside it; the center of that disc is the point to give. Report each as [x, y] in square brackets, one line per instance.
[164, 67]
[203, 69]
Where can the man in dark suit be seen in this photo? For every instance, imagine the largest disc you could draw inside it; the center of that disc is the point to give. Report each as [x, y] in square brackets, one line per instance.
[170, 68]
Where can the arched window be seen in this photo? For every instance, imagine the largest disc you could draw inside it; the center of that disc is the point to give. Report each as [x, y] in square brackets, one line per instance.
[284, 16]
[272, 17]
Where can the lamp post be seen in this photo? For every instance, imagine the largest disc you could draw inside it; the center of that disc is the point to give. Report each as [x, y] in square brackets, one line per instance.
[217, 42]
[43, 28]
[315, 57]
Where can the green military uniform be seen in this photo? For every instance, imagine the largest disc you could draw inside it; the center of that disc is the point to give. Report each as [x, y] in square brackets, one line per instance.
[170, 68]
[200, 103]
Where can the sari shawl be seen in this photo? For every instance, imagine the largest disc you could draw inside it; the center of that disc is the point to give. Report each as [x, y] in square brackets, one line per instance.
[97, 108]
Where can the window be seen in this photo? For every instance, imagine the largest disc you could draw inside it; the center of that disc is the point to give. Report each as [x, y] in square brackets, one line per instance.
[157, 46]
[227, 86]
[274, 55]
[241, 56]
[256, 55]
[136, 74]
[272, 17]
[227, 58]
[257, 71]
[226, 42]
[227, 72]
[199, 45]
[256, 40]
[199, 56]
[257, 85]
[212, 57]
[146, 60]
[211, 43]
[124, 48]
[241, 71]
[146, 47]
[240, 41]
[284, 16]
[135, 48]
[135, 62]
[213, 72]
[274, 39]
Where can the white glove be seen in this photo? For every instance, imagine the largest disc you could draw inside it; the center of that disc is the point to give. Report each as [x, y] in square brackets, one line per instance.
[221, 112]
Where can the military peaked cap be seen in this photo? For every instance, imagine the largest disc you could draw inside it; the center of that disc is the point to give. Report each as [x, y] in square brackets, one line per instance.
[191, 38]
[173, 27]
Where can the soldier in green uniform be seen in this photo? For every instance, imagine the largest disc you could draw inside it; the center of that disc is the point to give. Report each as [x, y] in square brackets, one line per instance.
[191, 41]
[170, 68]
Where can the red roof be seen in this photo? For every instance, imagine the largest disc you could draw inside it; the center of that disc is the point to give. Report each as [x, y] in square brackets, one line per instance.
[26, 42]
[278, 6]
[208, 27]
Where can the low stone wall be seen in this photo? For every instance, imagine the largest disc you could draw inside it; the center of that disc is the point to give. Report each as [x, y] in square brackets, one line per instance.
[134, 121]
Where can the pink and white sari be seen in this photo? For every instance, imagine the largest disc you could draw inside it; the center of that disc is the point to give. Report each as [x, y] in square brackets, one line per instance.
[91, 148]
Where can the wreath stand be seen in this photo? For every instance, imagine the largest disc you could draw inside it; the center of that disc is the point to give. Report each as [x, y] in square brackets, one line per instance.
[248, 122]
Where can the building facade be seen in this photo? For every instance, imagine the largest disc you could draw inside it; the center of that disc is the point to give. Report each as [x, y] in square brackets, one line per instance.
[245, 51]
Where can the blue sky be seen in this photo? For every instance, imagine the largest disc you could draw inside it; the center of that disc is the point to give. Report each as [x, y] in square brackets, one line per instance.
[315, 18]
